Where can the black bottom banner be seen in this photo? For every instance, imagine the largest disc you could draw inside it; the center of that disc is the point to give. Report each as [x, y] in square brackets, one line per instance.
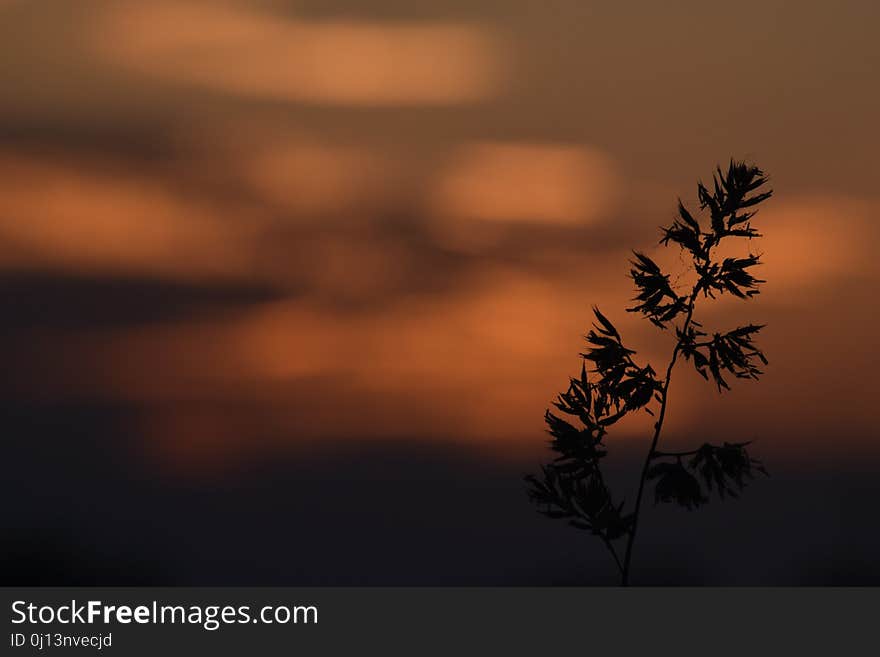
[419, 621]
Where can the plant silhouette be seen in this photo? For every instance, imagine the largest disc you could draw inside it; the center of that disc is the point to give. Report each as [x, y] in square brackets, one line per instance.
[572, 486]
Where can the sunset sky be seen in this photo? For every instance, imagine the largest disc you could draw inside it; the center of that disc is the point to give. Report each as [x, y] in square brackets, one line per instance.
[234, 232]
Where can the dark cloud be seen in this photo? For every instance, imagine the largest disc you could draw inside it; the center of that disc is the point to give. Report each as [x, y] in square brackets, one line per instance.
[40, 300]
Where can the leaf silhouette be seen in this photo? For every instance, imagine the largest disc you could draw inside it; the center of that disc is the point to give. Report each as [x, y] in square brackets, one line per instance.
[657, 300]
[726, 468]
[676, 484]
[733, 352]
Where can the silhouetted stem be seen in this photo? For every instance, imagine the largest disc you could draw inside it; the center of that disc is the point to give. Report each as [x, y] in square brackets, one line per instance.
[605, 539]
[658, 427]
[613, 552]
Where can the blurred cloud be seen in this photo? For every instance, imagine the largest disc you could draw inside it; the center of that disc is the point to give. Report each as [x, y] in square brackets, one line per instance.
[484, 187]
[315, 179]
[526, 182]
[69, 216]
[244, 51]
[297, 173]
[816, 239]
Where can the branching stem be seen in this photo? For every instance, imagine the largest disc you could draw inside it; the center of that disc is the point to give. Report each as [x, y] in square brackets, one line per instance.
[658, 427]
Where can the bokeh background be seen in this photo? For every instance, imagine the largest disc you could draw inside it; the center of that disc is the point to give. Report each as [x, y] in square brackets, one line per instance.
[287, 286]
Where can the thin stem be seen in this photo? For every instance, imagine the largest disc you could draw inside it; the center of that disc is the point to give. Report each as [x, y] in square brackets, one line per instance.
[605, 539]
[658, 427]
[611, 549]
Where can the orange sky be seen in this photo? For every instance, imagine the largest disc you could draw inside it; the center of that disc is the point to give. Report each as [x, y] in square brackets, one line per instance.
[433, 197]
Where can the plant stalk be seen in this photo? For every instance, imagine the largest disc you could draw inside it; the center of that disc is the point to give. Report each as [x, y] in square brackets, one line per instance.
[658, 427]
